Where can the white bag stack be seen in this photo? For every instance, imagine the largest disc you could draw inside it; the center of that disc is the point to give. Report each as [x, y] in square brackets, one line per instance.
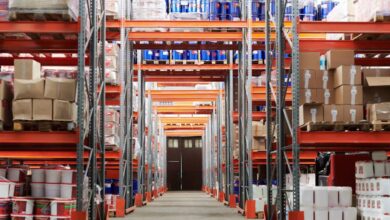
[111, 128]
[111, 64]
[372, 187]
[149, 10]
[327, 203]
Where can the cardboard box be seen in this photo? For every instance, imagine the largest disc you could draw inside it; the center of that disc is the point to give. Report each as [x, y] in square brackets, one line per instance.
[5, 90]
[61, 89]
[376, 77]
[308, 96]
[259, 129]
[64, 111]
[311, 113]
[325, 96]
[336, 58]
[309, 79]
[27, 69]
[333, 113]
[349, 95]
[379, 111]
[326, 79]
[22, 109]
[258, 144]
[29, 89]
[309, 60]
[348, 75]
[376, 85]
[42, 110]
[353, 113]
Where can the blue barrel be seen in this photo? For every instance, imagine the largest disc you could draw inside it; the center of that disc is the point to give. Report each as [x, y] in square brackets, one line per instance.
[288, 12]
[236, 10]
[214, 54]
[221, 55]
[108, 186]
[177, 55]
[256, 55]
[216, 7]
[205, 55]
[175, 6]
[309, 12]
[192, 6]
[262, 54]
[164, 55]
[192, 55]
[227, 8]
[205, 6]
[184, 8]
[156, 54]
[326, 7]
[261, 11]
[236, 57]
[148, 54]
[135, 186]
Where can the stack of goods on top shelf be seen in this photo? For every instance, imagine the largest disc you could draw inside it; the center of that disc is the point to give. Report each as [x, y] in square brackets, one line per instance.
[327, 203]
[149, 10]
[111, 64]
[366, 10]
[333, 94]
[111, 129]
[48, 193]
[112, 9]
[42, 104]
[42, 10]
[190, 10]
[372, 187]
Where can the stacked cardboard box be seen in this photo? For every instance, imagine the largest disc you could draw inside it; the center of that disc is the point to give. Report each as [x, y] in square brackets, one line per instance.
[112, 69]
[372, 184]
[38, 99]
[340, 97]
[111, 128]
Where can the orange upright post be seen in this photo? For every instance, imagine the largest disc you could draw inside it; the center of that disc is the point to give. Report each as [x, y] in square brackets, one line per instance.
[221, 197]
[250, 209]
[232, 201]
[148, 196]
[214, 193]
[120, 207]
[155, 193]
[138, 200]
[296, 215]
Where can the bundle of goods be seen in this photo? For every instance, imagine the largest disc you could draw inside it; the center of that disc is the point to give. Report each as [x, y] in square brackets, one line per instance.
[366, 10]
[3, 10]
[18, 176]
[149, 10]
[111, 129]
[43, 10]
[260, 196]
[112, 69]
[327, 203]
[372, 187]
[112, 9]
[333, 91]
[50, 101]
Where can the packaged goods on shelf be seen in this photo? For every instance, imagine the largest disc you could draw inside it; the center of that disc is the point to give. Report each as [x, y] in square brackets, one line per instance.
[59, 73]
[22, 109]
[29, 89]
[7, 188]
[347, 75]
[149, 10]
[336, 58]
[311, 113]
[27, 69]
[68, 9]
[61, 89]
[42, 110]
[343, 11]
[260, 196]
[376, 84]
[64, 111]
[191, 16]
[349, 95]
[366, 10]
[112, 8]
[111, 124]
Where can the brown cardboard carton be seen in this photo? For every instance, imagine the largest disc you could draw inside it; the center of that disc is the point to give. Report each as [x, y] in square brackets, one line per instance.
[258, 144]
[258, 129]
[325, 96]
[22, 109]
[29, 89]
[372, 74]
[309, 60]
[27, 69]
[61, 89]
[353, 113]
[348, 75]
[42, 110]
[309, 79]
[308, 96]
[64, 111]
[349, 95]
[379, 111]
[311, 113]
[326, 79]
[5, 90]
[376, 94]
[333, 113]
[336, 58]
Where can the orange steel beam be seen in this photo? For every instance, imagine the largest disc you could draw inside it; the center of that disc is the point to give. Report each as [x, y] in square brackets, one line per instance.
[183, 109]
[58, 27]
[39, 46]
[161, 67]
[180, 92]
[183, 120]
[183, 133]
[178, 24]
[47, 155]
[344, 27]
[184, 127]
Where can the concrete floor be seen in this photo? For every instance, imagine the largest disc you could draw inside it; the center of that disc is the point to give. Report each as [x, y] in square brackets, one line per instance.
[184, 206]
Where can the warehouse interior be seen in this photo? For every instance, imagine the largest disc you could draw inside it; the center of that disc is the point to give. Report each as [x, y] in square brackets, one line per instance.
[197, 109]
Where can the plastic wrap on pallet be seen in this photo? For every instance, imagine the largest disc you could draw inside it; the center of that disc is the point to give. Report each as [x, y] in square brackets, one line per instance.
[112, 8]
[60, 73]
[111, 77]
[368, 10]
[149, 10]
[69, 7]
[191, 16]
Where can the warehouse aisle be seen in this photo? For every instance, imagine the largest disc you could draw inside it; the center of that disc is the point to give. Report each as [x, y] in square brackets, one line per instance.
[184, 206]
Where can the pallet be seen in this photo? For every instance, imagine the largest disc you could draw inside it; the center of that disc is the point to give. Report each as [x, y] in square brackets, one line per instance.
[379, 125]
[38, 15]
[44, 126]
[155, 62]
[230, 30]
[214, 62]
[184, 62]
[336, 126]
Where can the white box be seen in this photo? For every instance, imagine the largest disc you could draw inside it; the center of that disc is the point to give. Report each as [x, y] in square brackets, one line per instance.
[321, 197]
[364, 169]
[321, 214]
[335, 214]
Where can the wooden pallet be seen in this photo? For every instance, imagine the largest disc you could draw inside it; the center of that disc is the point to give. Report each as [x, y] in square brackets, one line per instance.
[214, 62]
[381, 125]
[230, 30]
[336, 126]
[45, 126]
[184, 62]
[34, 15]
[155, 62]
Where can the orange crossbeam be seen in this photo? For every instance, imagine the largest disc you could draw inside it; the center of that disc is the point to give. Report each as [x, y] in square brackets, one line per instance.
[184, 120]
[184, 127]
[183, 133]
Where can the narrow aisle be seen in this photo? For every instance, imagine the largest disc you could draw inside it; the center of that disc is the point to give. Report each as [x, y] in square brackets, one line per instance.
[185, 206]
